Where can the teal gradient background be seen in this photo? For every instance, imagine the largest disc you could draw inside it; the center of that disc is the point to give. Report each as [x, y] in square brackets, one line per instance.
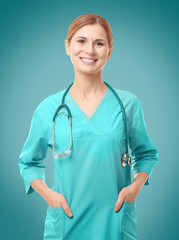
[34, 65]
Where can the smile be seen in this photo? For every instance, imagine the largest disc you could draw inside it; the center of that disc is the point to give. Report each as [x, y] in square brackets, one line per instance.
[88, 61]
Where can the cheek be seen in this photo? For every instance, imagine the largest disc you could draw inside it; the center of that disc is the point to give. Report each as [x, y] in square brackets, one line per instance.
[102, 55]
[76, 50]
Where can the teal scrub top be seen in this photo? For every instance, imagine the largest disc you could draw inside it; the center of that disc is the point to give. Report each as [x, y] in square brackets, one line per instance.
[91, 176]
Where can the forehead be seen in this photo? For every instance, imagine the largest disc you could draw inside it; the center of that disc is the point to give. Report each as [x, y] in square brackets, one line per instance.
[96, 31]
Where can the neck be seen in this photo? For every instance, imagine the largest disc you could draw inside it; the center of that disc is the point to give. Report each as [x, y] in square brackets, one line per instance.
[87, 86]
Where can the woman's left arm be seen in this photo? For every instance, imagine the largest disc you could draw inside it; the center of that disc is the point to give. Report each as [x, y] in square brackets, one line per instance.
[139, 180]
[143, 151]
[129, 193]
[144, 157]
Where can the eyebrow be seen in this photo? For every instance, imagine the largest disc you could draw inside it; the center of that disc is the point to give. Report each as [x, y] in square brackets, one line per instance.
[98, 39]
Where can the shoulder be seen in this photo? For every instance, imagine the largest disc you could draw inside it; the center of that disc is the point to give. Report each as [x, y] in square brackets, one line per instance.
[130, 101]
[49, 104]
[127, 97]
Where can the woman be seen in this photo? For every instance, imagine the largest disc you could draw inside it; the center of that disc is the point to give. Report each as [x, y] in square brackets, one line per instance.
[92, 197]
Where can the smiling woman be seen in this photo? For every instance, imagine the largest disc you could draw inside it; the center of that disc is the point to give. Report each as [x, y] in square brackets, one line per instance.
[90, 45]
[93, 197]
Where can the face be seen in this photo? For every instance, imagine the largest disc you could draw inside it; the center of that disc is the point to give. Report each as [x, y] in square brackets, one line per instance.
[89, 49]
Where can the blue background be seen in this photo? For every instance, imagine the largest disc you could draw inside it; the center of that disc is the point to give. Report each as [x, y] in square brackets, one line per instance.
[34, 65]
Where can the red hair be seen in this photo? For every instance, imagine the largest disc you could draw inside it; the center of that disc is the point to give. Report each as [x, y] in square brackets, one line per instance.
[89, 19]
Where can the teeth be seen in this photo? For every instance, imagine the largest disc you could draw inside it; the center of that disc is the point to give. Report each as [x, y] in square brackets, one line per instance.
[87, 60]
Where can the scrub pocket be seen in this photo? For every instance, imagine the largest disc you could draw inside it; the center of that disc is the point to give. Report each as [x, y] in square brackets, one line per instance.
[128, 221]
[54, 223]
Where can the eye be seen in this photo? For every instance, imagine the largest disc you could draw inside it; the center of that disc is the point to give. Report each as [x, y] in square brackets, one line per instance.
[101, 44]
[98, 43]
[80, 41]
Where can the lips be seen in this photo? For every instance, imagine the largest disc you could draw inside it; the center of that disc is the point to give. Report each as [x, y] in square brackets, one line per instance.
[88, 61]
[89, 58]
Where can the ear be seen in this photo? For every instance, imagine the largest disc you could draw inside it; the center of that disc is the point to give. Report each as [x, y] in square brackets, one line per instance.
[110, 50]
[67, 47]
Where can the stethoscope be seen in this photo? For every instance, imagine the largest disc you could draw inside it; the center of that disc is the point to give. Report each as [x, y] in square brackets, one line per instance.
[125, 157]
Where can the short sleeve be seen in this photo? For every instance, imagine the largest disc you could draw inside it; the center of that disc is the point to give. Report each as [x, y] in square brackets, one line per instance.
[143, 151]
[32, 154]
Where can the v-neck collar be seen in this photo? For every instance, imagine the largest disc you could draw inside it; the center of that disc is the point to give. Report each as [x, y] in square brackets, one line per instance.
[97, 108]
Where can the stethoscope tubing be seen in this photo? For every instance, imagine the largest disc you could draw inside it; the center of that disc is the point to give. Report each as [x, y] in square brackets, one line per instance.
[125, 159]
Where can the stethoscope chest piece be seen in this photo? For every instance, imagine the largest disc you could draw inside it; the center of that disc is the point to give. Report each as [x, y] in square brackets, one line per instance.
[125, 160]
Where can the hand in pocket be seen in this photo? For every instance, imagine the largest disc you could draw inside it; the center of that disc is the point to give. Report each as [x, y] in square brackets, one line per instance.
[57, 200]
[127, 194]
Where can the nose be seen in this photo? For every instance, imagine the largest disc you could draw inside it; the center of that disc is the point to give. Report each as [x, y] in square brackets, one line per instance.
[89, 48]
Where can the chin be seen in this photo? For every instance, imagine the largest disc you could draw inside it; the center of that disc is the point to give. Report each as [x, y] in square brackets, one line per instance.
[87, 71]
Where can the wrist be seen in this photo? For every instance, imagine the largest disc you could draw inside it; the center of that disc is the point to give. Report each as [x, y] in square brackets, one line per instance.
[47, 193]
[139, 180]
[136, 186]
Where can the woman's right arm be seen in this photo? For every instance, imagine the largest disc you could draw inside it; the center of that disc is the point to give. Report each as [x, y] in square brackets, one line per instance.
[50, 196]
[53, 198]
[32, 167]
[33, 152]
[39, 186]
